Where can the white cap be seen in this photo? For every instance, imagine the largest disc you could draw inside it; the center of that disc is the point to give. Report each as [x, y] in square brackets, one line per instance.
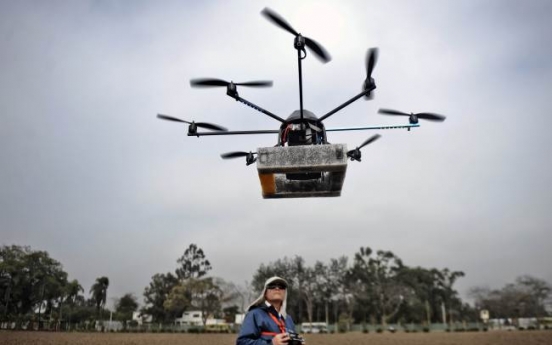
[261, 298]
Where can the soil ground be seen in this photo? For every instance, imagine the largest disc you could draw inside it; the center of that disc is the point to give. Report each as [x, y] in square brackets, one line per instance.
[434, 338]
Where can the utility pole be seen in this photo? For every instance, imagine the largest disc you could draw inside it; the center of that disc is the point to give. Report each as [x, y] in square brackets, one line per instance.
[444, 313]
[40, 305]
[428, 313]
[7, 300]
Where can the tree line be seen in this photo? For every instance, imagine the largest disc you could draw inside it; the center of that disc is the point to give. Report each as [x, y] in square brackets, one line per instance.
[37, 290]
[373, 287]
[376, 288]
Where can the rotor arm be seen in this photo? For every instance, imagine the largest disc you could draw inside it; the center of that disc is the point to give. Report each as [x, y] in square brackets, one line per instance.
[363, 93]
[256, 107]
[200, 134]
[368, 128]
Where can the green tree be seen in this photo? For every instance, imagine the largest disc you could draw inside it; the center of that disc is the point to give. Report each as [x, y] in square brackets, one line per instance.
[524, 298]
[451, 301]
[201, 294]
[308, 286]
[84, 313]
[193, 263]
[378, 286]
[426, 294]
[324, 286]
[156, 294]
[99, 293]
[206, 296]
[125, 306]
[72, 292]
[178, 300]
[309, 289]
[333, 284]
[383, 288]
[29, 280]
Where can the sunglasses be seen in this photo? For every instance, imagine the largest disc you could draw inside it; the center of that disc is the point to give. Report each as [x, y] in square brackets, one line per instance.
[276, 286]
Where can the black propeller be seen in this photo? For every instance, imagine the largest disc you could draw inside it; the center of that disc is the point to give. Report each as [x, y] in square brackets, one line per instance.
[355, 154]
[414, 117]
[371, 59]
[193, 125]
[300, 40]
[249, 156]
[212, 82]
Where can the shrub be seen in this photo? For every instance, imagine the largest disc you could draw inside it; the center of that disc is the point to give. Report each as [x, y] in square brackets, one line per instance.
[379, 330]
[365, 330]
[426, 329]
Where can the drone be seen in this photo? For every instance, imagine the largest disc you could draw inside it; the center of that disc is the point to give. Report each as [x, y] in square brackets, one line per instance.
[302, 163]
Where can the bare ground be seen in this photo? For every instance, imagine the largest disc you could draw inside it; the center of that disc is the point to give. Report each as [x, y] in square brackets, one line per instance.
[469, 338]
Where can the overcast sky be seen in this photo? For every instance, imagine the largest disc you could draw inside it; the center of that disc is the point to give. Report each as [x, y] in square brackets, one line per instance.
[89, 174]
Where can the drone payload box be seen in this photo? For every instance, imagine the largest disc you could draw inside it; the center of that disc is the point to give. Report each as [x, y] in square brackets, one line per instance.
[302, 171]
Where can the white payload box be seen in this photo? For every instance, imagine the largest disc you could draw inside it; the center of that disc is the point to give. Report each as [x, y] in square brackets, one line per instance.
[302, 171]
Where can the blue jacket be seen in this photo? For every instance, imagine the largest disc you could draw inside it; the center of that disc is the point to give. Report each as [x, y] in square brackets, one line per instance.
[258, 327]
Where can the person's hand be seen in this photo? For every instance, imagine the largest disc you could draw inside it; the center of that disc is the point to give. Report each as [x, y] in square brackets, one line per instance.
[280, 339]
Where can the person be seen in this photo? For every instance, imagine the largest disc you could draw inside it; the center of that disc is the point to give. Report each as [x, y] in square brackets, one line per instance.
[266, 321]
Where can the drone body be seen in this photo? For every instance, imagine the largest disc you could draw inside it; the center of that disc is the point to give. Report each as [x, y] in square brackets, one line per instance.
[303, 163]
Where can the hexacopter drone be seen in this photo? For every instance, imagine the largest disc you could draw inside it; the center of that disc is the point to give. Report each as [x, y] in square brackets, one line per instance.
[303, 163]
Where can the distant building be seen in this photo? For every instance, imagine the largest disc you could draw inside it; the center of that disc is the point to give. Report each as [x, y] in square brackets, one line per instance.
[107, 326]
[314, 327]
[195, 318]
[527, 322]
[238, 320]
[190, 318]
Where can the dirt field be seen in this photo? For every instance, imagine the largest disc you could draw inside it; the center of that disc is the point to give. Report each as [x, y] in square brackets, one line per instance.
[470, 338]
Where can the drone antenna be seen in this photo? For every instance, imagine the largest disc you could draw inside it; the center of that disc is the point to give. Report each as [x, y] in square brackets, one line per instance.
[300, 46]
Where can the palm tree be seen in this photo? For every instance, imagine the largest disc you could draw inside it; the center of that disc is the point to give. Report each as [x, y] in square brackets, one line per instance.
[99, 292]
[72, 290]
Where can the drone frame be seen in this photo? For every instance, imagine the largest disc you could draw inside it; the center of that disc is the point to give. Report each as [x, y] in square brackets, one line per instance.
[311, 121]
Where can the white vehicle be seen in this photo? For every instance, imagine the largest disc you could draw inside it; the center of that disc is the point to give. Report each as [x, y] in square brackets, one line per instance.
[314, 327]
